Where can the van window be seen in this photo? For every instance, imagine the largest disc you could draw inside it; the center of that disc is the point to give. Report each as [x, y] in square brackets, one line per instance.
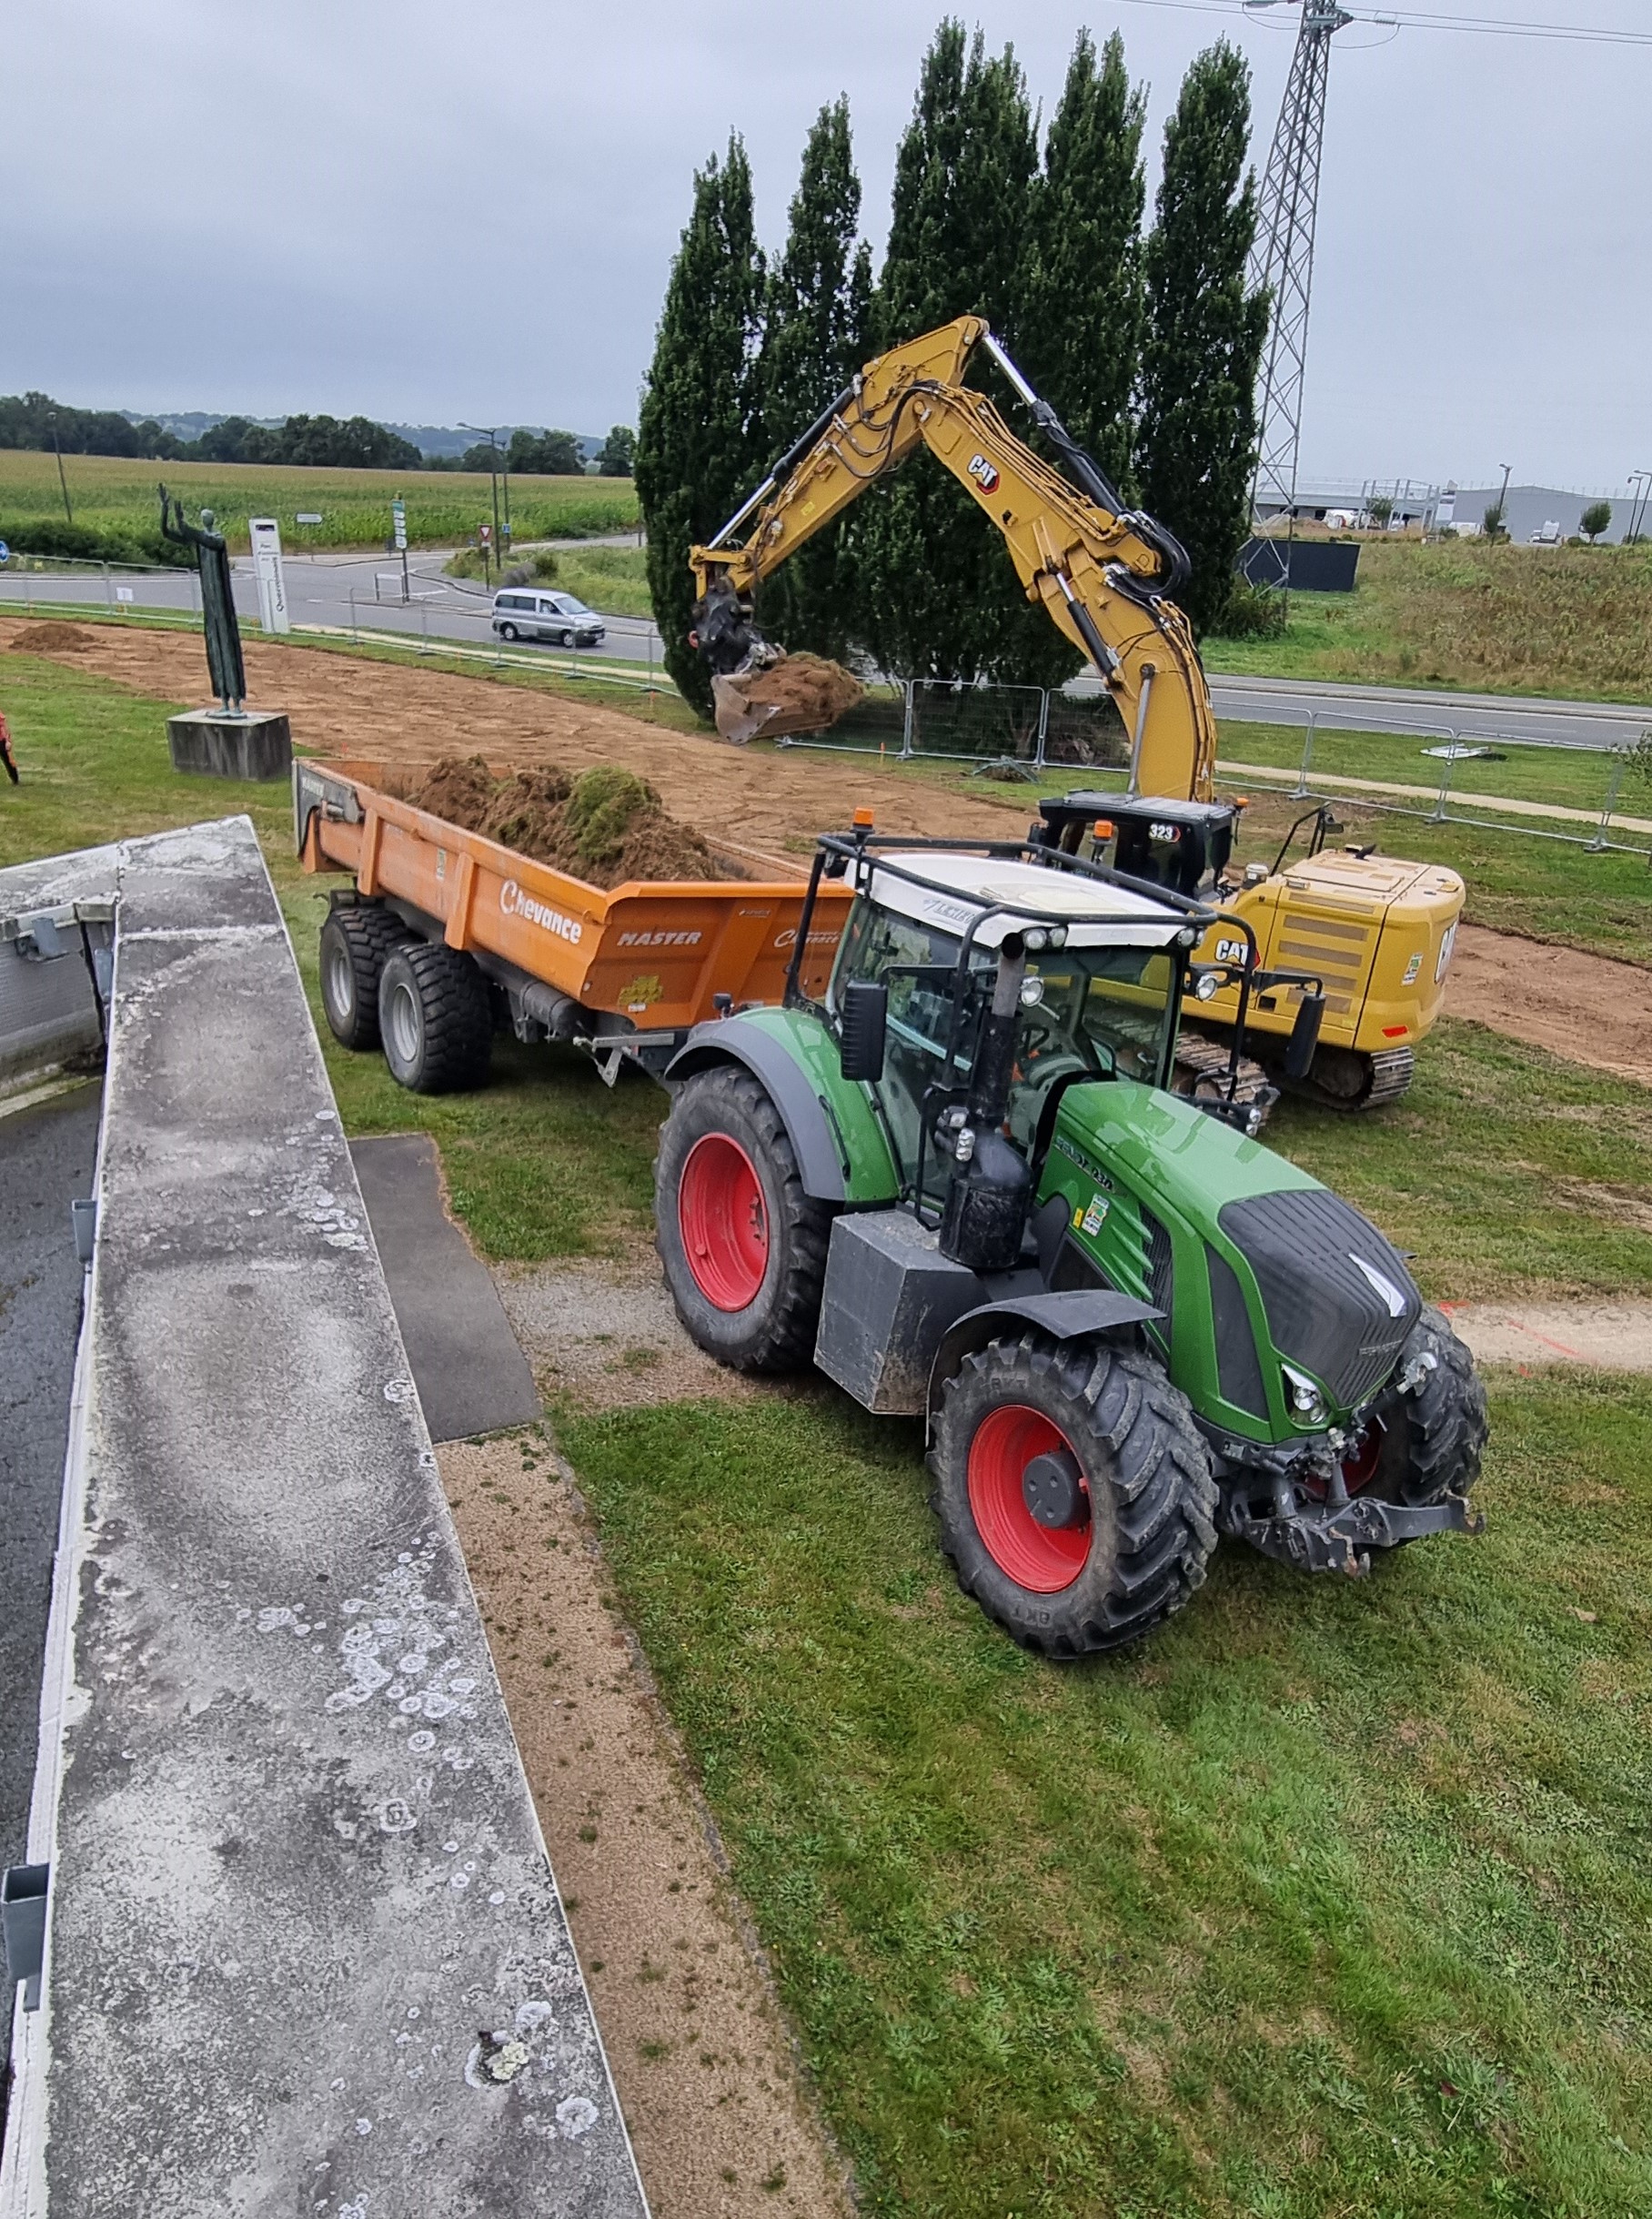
[513, 601]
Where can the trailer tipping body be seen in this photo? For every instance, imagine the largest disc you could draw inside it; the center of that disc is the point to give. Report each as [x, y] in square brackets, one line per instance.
[652, 957]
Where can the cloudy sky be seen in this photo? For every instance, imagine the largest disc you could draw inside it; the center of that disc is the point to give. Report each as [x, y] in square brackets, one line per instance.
[432, 213]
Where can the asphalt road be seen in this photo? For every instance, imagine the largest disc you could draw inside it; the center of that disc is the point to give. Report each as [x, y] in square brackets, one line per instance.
[46, 1157]
[363, 593]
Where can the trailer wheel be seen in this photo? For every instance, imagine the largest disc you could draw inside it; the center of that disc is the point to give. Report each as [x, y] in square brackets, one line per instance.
[435, 1019]
[354, 943]
[744, 1246]
[1423, 1445]
[1074, 1493]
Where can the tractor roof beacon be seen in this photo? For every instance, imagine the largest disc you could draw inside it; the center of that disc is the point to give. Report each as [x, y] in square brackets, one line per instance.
[961, 1185]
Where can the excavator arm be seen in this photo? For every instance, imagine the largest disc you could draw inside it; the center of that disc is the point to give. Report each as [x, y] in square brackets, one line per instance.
[1102, 571]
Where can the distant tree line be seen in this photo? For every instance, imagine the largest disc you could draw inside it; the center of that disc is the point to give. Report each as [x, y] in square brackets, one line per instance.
[356, 442]
[1146, 342]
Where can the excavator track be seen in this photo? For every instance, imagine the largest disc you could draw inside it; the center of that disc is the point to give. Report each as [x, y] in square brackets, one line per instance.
[1201, 1070]
[1343, 1079]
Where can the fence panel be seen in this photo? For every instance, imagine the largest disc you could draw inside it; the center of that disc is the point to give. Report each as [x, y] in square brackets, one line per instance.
[877, 725]
[981, 723]
[1085, 732]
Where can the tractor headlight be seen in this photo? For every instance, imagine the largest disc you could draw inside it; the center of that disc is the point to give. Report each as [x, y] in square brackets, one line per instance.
[1306, 1402]
[1032, 991]
[1207, 986]
[1058, 935]
[1036, 939]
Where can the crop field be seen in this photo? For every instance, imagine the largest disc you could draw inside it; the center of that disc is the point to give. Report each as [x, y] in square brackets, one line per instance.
[1331, 1898]
[444, 507]
[1566, 620]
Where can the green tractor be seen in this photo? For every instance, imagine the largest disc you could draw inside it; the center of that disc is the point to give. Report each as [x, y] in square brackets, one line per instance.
[961, 1186]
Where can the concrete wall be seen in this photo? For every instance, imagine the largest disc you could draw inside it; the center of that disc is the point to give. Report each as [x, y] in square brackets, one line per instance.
[306, 1951]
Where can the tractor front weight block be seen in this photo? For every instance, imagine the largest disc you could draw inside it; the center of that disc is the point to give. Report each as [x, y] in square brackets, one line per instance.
[1317, 1538]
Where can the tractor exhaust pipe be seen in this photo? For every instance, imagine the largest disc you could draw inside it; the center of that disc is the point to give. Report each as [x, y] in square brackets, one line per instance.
[985, 1214]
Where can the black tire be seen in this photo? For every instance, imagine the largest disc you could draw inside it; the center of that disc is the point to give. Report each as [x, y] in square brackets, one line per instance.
[774, 1330]
[435, 1019]
[1433, 1437]
[565, 638]
[356, 942]
[1150, 1527]
[507, 632]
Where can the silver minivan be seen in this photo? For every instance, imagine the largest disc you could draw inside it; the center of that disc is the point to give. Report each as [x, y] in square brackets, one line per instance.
[523, 612]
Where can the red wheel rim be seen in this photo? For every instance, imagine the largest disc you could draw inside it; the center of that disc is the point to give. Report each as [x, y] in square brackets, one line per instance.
[723, 1221]
[1359, 1465]
[1041, 1559]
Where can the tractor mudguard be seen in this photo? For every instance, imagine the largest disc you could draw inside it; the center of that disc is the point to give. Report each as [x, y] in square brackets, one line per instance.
[819, 1148]
[1064, 1318]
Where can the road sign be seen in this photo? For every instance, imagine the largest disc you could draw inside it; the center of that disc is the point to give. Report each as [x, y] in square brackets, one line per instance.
[125, 593]
[266, 535]
[398, 518]
[307, 516]
[485, 534]
[6, 552]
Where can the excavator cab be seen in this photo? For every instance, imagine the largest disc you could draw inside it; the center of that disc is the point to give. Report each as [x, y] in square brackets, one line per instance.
[1185, 846]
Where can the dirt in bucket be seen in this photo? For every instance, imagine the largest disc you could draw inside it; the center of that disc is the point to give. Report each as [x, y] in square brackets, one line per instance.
[607, 826]
[50, 638]
[800, 693]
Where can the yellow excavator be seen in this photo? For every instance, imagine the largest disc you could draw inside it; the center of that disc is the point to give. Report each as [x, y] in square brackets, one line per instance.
[1373, 935]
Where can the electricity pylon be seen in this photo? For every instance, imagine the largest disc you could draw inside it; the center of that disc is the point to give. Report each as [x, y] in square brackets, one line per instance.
[1283, 260]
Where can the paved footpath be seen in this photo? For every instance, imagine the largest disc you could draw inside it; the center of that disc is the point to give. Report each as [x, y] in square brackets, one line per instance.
[1473, 716]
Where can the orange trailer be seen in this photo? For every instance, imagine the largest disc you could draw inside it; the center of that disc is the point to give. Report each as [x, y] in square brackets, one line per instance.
[625, 973]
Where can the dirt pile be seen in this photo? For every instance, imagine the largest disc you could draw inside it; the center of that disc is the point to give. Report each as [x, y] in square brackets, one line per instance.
[51, 638]
[606, 826]
[800, 693]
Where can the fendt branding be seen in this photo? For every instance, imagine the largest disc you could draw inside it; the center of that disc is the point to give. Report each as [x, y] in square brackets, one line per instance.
[515, 902]
[659, 940]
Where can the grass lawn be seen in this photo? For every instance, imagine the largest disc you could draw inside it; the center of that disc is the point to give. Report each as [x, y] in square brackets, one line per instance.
[1332, 1899]
[112, 494]
[1566, 620]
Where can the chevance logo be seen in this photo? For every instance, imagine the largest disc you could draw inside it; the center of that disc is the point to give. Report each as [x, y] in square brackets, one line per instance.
[514, 902]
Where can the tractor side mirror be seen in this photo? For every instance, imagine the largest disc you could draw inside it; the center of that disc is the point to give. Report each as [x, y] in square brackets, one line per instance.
[1305, 1036]
[864, 1029]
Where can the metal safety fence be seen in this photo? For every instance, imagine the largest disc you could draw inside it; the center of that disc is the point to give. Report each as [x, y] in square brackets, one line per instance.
[1014, 730]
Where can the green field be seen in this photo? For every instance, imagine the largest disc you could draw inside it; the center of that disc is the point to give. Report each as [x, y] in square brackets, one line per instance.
[1333, 1899]
[1566, 620]
[444, 507]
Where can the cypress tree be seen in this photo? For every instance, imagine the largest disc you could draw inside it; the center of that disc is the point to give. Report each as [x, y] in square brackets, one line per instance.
[937, 596]
[698, 435]
[1082, 339]
[1197, 428]
[817, 333]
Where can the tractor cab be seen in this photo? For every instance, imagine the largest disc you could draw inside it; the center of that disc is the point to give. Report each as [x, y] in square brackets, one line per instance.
[1185, 846]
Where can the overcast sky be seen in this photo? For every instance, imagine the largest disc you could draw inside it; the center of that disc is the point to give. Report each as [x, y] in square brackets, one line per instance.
[429, 213]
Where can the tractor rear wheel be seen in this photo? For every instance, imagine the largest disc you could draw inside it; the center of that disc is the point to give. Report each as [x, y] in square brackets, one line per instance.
[1073, 1491]
[1426, 1443]
[356, 941]
[744, 1246]
[435, 1019]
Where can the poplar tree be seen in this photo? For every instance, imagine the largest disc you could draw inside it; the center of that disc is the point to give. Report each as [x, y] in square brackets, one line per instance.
[698, 439]
[937, 596]
[1197, 434]
[817, 333]
[1082, 341]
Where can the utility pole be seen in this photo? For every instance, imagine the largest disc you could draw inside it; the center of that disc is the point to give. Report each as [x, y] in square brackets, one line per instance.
[496, 458]
[1283, 261]
[1503, 501]
[51, 415]
[1639, 503]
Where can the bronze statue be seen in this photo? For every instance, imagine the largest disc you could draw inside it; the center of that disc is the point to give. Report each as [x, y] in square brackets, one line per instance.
[218, 602]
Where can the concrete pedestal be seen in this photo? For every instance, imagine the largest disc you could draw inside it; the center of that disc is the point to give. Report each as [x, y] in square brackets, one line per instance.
[213, 744]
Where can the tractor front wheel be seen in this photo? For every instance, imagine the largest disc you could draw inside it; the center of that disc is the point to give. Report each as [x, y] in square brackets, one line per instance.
[744, 1246]
[1425, 1443]
[1073, 1491]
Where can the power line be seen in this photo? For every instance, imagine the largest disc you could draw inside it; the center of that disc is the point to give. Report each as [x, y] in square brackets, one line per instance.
[1409, 19]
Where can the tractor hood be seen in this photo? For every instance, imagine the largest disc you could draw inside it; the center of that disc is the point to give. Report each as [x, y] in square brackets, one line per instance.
[1335, 1298]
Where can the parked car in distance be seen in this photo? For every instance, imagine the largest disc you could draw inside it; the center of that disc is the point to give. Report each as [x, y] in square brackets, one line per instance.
[1547, 535]
[520, 612]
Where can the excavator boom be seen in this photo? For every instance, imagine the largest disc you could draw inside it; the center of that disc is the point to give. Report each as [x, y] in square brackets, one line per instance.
[1103, 572]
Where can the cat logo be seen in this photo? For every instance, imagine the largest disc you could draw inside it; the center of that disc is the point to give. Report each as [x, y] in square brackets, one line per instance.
[983, 473]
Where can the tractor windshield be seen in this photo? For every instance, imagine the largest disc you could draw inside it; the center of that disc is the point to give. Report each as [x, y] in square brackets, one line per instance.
[1098, 1011]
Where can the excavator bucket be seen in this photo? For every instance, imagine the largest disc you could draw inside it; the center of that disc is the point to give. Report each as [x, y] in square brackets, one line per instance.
[793, 694]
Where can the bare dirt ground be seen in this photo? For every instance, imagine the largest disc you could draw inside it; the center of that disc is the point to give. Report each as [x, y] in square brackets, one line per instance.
[1587, 1008]
[1610, 1336]
[1584, 1007]
[724, 2124]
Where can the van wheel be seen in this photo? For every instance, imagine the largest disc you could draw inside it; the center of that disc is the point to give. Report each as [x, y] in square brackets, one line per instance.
[565, 638]
[355, 944]
[435, 1019]
[507, 632]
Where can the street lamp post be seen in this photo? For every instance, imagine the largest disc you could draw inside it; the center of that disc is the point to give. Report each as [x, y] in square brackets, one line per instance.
[1503, 502]
[1638, 505]
[492, 437]
[61, 478]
